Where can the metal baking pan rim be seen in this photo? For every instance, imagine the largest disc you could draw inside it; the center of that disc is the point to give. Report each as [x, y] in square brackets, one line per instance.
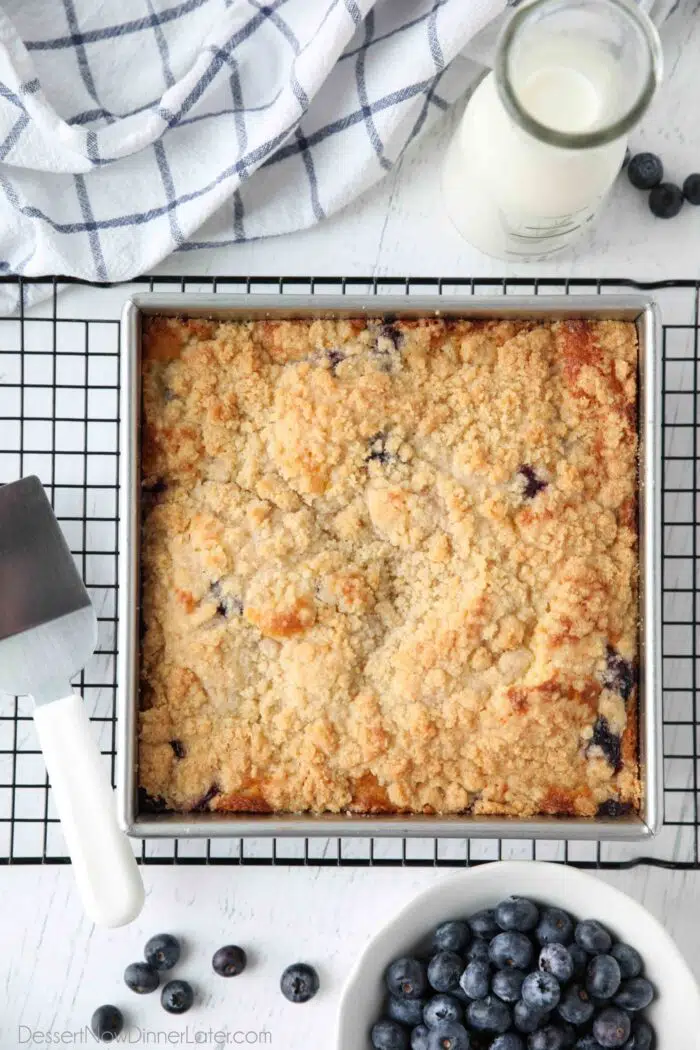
[633, 306]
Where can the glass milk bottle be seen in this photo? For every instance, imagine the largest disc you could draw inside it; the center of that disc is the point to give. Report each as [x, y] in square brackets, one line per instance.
[544, 135]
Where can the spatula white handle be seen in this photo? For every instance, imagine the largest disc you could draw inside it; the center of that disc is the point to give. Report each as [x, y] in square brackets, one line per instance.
[105, 869]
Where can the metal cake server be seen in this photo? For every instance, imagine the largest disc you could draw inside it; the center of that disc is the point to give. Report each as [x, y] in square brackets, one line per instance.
[48, 631]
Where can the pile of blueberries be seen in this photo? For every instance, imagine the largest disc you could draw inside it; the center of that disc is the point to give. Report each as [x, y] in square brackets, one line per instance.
[645, 171]
[515, 977]
[298, 984]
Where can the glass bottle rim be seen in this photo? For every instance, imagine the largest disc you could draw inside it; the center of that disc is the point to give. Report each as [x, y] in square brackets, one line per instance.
[584, 139]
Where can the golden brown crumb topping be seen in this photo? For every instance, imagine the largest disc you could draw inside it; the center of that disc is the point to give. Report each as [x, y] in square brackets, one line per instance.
[390, 566]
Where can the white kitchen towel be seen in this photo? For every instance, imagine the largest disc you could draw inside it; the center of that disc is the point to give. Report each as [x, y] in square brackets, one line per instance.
[134, 128]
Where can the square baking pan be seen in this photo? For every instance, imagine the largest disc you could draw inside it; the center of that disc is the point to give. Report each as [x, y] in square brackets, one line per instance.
[632, 307]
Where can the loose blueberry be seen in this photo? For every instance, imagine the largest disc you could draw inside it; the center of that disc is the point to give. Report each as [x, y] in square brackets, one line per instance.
[691, 189]
[449, 1035]
[478, 951]
[507, 985]
[162, 952]
[405, 1011]
[509, 1041]
[554, 927]
[517, 913]
[484, 924]
[106, 1023]
[608, 742]
[645, 170]
[628, 959]
[142, 978]
[541, 990]
[593, 937]
[419, 1038]
[453, 936]
[177, 997]
[547, 1038]
[511, 950]
[556, 959]
[666, 200]
[576, 1006]
[406, 978]
[444, 971]
[389, 1035]
[229, 961]
[476, 980]
[642, 1037]
[603, 977]
[442, 1008]
[489, 1015]
[635, 994]
[579, 959]
[612, 1028]
[299, 983]
[526, 1018]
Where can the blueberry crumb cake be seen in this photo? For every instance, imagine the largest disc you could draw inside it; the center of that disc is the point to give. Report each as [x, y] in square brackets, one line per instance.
[389, 566]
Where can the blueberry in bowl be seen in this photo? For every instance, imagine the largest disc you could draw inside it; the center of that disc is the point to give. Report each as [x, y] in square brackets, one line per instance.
[599, 968]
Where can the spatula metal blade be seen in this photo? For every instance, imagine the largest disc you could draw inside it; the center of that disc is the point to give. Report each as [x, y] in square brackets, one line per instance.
[48, 628]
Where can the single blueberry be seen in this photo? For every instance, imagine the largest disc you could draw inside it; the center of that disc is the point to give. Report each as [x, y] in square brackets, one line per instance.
[691, 188]
[478, 951]
[178, 748]
[608, 742]
[526, 1018]
[406, 978]
[576, 1006]
[517, 913]
[419, 1038]
[162, 952]
[106, 1023]
[603, 977]
[541, 990]
[177, 997]
[635, 994]
[441, 1008]
[299, 983]
[612, 1028]
[507, 985]
[141, 977]
[229, 961]
[511, 949]
[448, 1035]
[452, 936]
[628, 959]
[547, 1038]
[489, 1015]
[389, 1035]
[444, 971]
[554, 927]
[593, 937]
[405, 1011]
[509, 1041]
[641, 1038]
[666, 200]
[533, 483]
[475, 981]
[579, 959]
[645, 170]
[556, 959]
[484, 924]
[620, 675]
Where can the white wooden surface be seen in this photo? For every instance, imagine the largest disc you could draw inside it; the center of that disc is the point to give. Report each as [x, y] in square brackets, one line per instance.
[55, 968]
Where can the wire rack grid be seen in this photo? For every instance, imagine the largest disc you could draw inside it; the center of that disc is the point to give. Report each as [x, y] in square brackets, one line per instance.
[59, 415]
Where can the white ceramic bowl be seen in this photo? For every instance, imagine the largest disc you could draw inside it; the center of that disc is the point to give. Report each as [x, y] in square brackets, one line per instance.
[675, 1014]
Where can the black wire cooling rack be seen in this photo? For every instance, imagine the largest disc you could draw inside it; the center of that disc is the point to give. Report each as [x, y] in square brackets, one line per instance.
[59, 413]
